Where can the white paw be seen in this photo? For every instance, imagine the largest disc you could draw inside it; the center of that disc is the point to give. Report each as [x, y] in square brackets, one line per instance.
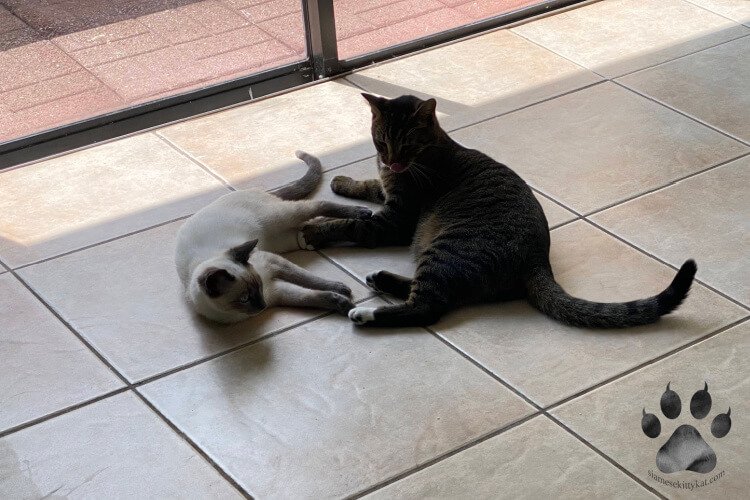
[302, 243]
[362, 315]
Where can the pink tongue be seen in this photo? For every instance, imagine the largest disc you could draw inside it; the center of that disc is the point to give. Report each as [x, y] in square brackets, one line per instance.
[397, 167]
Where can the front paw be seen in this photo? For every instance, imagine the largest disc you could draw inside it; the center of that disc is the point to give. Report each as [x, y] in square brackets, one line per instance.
[359, 212]
[362, 315]
[339, 303]
[307, 237]
[342, 289]
[372, 281]
[340, 184]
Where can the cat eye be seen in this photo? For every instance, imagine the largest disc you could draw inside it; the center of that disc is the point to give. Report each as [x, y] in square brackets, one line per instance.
[245, 298]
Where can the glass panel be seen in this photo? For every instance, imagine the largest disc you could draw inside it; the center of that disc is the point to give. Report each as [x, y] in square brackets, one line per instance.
[364, 26]
[63, 61]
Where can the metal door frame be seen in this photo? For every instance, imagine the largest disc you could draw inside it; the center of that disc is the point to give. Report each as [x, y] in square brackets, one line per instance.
[322, 62]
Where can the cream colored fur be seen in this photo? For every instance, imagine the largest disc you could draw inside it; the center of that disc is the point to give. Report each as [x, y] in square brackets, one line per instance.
[234, 219]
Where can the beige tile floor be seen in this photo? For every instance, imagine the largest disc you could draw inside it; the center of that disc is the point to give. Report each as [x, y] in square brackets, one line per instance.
[626, 117]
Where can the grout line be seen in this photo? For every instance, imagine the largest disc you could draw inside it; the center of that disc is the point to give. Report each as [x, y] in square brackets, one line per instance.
[644, 252]
[197, 449]
[558, 226]
[211, 357]
[521, 108]
[80, 337]
[443, 456]
[487, 371]
[667, 185]
[605, 78]
[679, 112]
[62, 411]
[604, 456]
[148, 228]
[645, 364]
[194, 160]
[103, 242]
[360, 87]
[713, 12]
[651, 66]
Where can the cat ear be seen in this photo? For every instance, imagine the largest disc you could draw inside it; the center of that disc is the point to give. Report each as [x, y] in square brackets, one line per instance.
[376, 103]
[241, 253]
[215, 282]
[426, 110]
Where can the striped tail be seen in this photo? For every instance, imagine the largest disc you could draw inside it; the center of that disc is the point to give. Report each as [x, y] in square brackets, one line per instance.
[545, 294]
[305, 185]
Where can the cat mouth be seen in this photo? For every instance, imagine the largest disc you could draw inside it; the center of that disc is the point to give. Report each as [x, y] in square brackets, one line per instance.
[397, 167]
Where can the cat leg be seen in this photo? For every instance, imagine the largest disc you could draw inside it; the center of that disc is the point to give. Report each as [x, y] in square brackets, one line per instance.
[385, 228]
[292, 273]
[369, 190]
[387, 282]
[289, 294]
[307, 210]
[439, 284]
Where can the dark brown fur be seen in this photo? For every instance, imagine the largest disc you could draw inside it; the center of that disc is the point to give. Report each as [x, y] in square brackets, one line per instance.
[477, 230]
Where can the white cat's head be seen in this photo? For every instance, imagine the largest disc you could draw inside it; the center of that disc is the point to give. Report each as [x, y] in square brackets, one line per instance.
[227, 288]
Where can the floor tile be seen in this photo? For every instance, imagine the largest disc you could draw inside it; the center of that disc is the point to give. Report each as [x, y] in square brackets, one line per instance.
[45, 368]
[324, 410]
[143, 325]
[537, 459]
[737, 10]
[478, 78]
[366, 169]
[85, 197]
[116, 448]
[711, 85]
[548, 361]
[610, 417]
[608, 139]
[253, 145]
[619, 36]
[706, 217]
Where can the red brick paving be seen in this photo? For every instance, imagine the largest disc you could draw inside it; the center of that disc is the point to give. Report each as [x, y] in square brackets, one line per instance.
[62, 61]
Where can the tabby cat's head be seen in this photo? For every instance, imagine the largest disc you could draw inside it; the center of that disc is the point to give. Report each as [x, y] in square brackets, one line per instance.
[402, 128]
[228, 288]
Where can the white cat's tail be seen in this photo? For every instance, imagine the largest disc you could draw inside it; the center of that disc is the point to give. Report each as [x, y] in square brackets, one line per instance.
[305, 185]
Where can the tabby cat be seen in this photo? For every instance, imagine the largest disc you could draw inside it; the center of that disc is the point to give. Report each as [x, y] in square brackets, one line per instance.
[477, 231]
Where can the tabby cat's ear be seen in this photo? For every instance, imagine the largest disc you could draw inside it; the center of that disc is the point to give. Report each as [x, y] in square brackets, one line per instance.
[241, 253]
[376, 103]
[426, 110]
[215, 282]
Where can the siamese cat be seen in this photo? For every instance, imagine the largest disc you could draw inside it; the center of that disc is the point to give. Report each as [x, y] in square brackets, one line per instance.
[226, 252]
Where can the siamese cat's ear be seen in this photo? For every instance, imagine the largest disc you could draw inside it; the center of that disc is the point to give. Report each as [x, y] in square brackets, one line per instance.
[215, 282]
[241, 253]
[376, 103]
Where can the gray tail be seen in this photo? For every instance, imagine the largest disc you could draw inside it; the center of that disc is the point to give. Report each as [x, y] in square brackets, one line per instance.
[305, 185]
[545, 294]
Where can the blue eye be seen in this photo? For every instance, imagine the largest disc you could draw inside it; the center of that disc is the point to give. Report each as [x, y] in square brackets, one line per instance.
[245, 298]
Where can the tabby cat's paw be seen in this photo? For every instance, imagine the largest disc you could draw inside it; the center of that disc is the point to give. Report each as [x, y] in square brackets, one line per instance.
[302, 242]
[340, 184]
[341, 289]
[310, 237]
[362, 315]
[338, 302]
[359, 212]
